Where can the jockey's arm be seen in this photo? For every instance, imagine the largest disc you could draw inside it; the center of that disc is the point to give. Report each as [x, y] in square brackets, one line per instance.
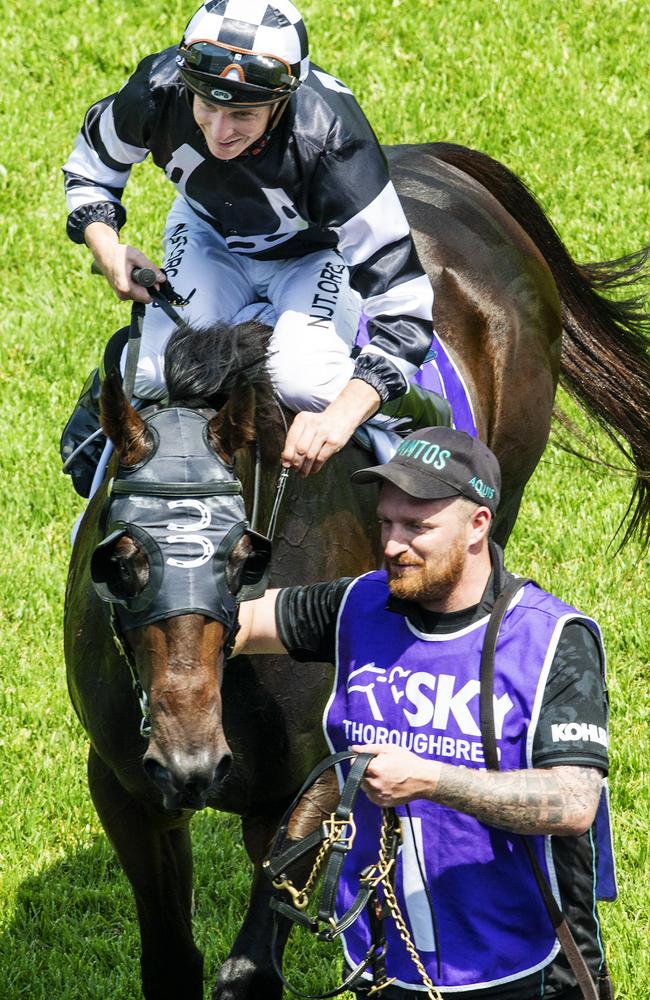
[315, 437]
[115, 135]
[258, 631]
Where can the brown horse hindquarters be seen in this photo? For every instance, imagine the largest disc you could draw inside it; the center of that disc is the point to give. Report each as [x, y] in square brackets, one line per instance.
[496, 308]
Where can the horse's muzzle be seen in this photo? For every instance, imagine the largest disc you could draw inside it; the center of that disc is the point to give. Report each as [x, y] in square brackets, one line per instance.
[187, 782]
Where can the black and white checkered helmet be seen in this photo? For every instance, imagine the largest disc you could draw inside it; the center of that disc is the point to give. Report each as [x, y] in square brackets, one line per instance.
[246, 26]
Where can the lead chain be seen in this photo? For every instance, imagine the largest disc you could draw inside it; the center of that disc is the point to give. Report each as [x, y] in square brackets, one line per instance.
[301, 896]
[393, 906]
[313, 876]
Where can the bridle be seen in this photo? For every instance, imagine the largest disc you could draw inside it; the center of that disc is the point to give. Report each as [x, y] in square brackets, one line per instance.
[332, 841]
[189, 489]
[118, 487]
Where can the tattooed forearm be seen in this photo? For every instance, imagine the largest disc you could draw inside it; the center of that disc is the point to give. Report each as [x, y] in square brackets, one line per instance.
[560, 800]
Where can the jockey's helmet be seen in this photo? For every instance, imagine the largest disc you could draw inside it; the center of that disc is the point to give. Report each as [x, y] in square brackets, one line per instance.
[239, 53]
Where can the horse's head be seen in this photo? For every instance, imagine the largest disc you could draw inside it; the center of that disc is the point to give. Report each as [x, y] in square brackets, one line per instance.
[177, 551]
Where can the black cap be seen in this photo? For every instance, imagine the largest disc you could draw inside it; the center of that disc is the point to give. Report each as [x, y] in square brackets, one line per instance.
[438, 462]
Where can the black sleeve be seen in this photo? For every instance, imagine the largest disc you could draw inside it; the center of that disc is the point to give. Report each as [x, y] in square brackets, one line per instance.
[115, 135]
[572, 727]
[306, 619]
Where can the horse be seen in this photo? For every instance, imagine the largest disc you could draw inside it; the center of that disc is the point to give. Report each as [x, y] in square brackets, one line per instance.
[240, 736]
[519, 314]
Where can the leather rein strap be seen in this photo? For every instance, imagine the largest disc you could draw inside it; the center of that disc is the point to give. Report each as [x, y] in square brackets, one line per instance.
[488, 736]
[333, 838]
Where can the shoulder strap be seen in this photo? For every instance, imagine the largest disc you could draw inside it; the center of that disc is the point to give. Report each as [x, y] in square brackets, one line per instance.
[488, 737]
[486, 704]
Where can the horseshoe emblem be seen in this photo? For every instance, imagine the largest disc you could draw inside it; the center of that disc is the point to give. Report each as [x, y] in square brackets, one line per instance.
[206, 555]
[205, 519]
[206, 516]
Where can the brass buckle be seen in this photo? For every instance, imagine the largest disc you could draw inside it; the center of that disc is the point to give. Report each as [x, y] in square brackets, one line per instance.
[334, 830]
[299, 897]
[330, 931]
[374, 875]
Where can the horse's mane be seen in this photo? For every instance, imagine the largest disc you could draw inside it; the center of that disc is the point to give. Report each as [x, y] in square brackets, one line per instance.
[203, 366]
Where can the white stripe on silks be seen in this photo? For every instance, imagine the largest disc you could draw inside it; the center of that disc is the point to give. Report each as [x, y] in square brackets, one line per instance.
[407, 369]
[379, 224]
[331, 82]
[411, 298]
[77, 197]
[117, 149]
[85, 161]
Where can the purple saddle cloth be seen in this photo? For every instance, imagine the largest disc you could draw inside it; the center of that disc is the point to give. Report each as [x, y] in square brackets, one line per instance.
[439, 374]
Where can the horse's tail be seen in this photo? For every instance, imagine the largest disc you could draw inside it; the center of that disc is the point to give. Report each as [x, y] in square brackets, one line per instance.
[605, 357]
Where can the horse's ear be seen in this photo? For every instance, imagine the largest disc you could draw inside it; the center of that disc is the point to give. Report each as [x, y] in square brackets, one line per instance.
[132, 439]
[233, 427]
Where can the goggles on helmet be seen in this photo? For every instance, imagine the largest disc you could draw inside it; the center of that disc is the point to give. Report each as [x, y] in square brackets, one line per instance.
[250, 75]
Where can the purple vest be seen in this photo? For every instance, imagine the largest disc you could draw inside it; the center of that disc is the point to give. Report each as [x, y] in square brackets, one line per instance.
[397, 685]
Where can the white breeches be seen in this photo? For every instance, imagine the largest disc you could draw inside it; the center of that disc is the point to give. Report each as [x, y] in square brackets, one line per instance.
[307, 300]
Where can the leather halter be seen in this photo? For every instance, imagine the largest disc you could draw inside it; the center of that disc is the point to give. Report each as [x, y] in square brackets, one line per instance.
[334, 837]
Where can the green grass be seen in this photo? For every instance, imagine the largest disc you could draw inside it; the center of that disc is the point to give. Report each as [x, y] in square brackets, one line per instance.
[558, 91]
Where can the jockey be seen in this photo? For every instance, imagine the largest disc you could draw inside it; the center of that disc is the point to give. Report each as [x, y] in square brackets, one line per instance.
[284, 212]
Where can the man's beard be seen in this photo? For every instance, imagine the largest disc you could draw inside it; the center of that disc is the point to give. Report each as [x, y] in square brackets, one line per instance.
[433, 580]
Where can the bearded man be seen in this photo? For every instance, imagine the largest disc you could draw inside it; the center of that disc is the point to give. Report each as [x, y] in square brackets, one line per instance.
[406, 643]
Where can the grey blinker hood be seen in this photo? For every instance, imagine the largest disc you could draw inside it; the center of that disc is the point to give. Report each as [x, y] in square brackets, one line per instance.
[184, 508]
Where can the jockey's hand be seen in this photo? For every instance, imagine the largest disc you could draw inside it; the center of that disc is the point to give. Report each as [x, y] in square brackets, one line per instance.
[117, 260]
[315, 437]
[312, 439]
[397, 775]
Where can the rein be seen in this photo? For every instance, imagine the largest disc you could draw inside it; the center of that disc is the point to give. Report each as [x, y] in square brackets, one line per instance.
[279, 488]
[140, 693]
[333, 839]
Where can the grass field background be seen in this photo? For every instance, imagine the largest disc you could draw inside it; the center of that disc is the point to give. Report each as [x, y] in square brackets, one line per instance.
[559, 92]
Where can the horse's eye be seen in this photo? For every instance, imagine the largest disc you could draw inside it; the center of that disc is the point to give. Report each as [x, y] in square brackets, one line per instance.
[128, 569]
[235, 565]
[128, 574]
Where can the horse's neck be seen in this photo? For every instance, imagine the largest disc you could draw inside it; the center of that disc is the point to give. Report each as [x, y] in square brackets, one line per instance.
[326, 527]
